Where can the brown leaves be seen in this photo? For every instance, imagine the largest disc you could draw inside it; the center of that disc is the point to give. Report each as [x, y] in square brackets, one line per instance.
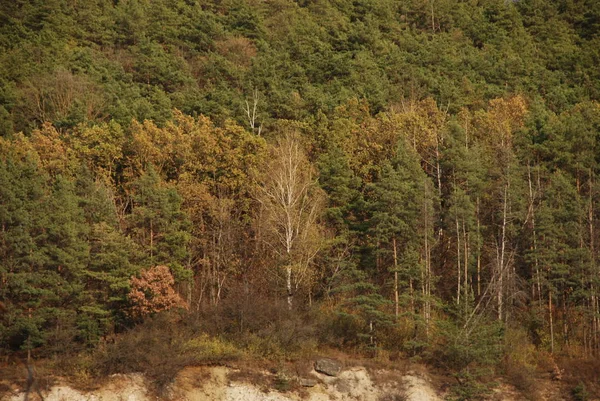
[153, 292]
[237, 49]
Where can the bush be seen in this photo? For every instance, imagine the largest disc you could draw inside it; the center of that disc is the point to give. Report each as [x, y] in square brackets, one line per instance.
[282, 383]
[580, 393]
[393, 397]
[520, 362]
[459, 350]
[160, 348]
[470, 388]
[522, 377]
[207, 349]
[470, 355]
[261, 326]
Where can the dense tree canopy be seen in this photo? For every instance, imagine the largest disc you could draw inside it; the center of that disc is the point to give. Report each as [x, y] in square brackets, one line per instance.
[420, 171]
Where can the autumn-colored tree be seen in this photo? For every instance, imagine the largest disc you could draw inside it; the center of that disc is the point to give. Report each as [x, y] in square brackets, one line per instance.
[100, 146]
[423, 125]
[153, 292]
[291, 202]
[62, 98]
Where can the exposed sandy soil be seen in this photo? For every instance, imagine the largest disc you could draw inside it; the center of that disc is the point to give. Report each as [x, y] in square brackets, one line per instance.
[218, 383]
[215, 384]
[118, 388]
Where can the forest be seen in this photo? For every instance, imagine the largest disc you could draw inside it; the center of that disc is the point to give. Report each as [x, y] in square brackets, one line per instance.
[216, 179]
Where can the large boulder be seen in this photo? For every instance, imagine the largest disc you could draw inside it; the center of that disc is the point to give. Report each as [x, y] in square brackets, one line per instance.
[327, 366]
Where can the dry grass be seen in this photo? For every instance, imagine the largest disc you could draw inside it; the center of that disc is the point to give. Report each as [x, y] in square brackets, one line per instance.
[584, 371]
[14, 375]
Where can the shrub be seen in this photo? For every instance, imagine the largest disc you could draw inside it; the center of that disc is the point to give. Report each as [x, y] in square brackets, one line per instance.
[471, 355]
[520, 362]
[580, 393]
[470, 388]
[210, 349]
[160, 348]
[153, 292]
[393, 397]
[282, 383]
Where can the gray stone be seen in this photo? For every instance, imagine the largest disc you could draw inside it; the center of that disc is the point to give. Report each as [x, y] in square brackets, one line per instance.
[327, 366]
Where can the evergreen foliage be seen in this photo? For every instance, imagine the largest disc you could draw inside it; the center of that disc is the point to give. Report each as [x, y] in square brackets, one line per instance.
[446, 165]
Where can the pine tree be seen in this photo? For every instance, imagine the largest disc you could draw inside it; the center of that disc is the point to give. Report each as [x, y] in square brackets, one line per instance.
[22, 188]
[45, 253]
[113, 258]
[341, 215]
[158, 225]
[560, 256]
[396, 201]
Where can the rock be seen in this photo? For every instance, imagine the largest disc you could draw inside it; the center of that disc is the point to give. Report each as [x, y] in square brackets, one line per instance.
[307, 382]
[343, 386]
[329, 367]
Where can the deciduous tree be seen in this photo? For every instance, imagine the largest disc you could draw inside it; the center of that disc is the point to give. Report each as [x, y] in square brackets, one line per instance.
[291, 203]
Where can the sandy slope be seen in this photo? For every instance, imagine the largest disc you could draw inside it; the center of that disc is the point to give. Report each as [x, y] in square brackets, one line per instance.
[214, 384]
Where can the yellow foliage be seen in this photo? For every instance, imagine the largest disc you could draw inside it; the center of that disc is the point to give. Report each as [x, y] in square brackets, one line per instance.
[101, 145]
[206, 348]
[422, 124]
[365, 139]
[503, 118]
[55, 155]
[225, 156]
[47, 146]
[519, 349]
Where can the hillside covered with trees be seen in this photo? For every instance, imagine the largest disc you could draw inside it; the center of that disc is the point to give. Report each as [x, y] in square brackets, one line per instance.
[411, 178]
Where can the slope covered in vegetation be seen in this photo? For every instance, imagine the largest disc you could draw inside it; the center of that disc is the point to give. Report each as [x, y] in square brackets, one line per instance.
[414, 178]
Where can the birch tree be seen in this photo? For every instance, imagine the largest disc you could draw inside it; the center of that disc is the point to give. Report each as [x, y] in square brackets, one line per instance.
[291, 203]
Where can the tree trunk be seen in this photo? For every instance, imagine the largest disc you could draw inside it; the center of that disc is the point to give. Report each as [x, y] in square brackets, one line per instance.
[534, 239]
[290, 294]
[593, 271]
[151, 243]
[427, 280]
[551, 322]
[466, 260]
[478, 250]
[501, 256]
[458, 261]
[396, 293]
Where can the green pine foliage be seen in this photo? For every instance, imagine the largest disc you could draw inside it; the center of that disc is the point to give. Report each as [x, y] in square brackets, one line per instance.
[456, 144]
[158, 225]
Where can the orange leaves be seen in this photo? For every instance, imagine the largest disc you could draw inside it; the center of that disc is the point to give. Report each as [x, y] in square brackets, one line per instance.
[165, 148]
[47, 146]
[423, 125]
[237, 49]
[184, 143]
[153, 292]
[369, 141]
